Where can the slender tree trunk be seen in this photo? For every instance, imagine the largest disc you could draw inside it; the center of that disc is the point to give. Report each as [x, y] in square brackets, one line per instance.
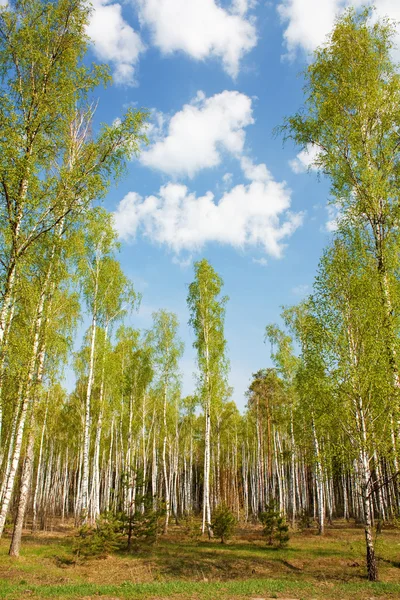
[23, 494]
[11, 440]
[84, 503]
[26, 476]
[206, 491]
[144, 453]
[154, 472]
[39, 471]
[95, 504]
[319, 481]
[293, 470]
[25, 404]
[164, 459]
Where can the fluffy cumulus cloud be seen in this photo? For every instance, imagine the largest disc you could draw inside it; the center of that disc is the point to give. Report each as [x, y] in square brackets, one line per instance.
[198, 134]
[115, 41]
[201, 28]
[251, 215]
[334, 216]
[308, 22]
[305, 160]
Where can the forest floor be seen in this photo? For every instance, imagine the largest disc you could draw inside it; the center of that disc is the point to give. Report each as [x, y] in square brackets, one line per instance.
[311, 567]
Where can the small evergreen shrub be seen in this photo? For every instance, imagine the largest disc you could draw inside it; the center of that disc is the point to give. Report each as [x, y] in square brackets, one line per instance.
[145, 525]
[282, 531]
[224, 523]
[192, 527]
[100, 540]
[275, 527]
[268, 520]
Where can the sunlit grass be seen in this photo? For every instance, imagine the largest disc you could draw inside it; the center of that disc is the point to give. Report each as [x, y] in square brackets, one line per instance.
[311, 567]
[271, 588]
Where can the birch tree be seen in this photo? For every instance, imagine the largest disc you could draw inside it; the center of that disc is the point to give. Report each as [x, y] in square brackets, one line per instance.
[362, 388]
[107, 293]
[207, 316]
[168, 349]
[287, 364]
[51, 164]
[55, 344]
[350, 116]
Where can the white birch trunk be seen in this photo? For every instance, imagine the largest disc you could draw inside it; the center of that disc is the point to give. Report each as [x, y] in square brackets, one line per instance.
[84, 502]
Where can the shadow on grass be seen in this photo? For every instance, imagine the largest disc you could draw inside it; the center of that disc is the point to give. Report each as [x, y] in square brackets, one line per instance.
[220, 562]
[32, 540]
[393, 563]
[246, 549]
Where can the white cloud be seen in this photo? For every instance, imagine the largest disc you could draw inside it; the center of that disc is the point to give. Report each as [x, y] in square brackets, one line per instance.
[255, 215]
[241, 7]
[227, 178]
[334, 215]
[260, 261]
[305, 160]
[308, 22]
[156, 126]
[115, 41]
[201, 28]
[254, 172]
[183, 263]
[200, 132]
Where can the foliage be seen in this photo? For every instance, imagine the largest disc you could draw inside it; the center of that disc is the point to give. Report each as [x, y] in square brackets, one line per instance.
[224, 523]
[192, 526]
[282, 531]
[112, 532]
[101, 540]
[325, 416]
[275, 527]
[207, 317]
[350, 118]
[145, 525]
[269, 518]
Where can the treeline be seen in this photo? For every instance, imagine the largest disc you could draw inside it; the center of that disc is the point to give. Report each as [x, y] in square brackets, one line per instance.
[320, 433]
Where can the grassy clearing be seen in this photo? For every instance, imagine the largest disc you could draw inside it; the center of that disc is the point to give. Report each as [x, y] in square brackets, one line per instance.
[182, 590]
[330, 567]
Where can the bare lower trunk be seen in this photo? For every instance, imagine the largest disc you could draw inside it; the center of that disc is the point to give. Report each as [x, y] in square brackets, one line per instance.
[27, 469]
[38, 473]
[206, 491]
[8, 489]
[165, 472]
[95, 496]
[154, 472]
[319, 482]
[84, 503]
[23, 496]
[365, 486]
[372, 569]
[293, 470]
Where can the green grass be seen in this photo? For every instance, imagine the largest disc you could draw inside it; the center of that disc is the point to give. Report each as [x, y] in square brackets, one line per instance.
[331, 567]
[272, 588]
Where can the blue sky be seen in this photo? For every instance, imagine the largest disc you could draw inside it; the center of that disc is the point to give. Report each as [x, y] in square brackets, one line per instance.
[215, 182]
